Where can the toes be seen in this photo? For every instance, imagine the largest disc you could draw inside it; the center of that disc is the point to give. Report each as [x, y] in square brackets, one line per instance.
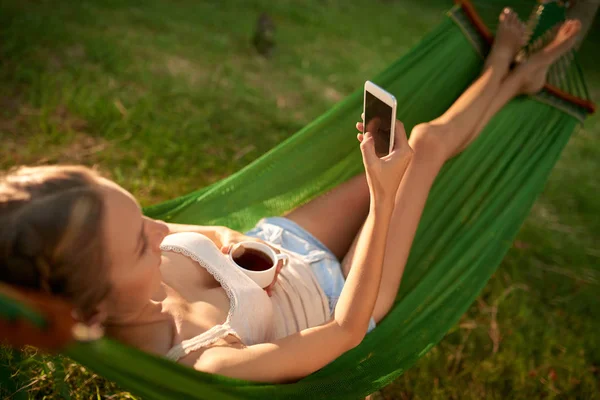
[566, 28]
[574, 26]
[510, 19]
[512, 29]
[505, 15]
[570, 28]
[512, 16]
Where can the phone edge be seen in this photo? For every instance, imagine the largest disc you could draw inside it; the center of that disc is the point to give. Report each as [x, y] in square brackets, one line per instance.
[393, 127]
[386, 97]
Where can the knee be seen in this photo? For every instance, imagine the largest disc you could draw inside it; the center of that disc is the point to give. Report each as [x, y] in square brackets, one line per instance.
[427, 139]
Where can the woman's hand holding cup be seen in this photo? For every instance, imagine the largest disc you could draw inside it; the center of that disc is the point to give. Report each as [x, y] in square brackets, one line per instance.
[259, 261]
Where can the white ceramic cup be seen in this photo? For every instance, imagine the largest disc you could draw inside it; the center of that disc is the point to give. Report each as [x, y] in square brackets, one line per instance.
[262, 278]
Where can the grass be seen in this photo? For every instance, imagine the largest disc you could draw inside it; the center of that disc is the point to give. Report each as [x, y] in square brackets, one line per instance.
[165, 97]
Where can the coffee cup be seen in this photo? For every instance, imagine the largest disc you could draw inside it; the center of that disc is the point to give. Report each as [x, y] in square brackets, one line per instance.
[257, 260]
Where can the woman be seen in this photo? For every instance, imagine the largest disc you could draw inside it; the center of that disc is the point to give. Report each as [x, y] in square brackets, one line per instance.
[168, 289]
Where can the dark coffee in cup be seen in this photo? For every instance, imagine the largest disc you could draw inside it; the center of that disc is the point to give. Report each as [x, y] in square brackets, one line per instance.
[253, 260]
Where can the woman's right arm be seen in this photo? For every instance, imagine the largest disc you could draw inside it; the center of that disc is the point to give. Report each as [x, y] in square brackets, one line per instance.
[305, 352]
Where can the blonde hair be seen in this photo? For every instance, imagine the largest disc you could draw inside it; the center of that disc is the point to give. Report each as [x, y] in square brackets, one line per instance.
[51, 236]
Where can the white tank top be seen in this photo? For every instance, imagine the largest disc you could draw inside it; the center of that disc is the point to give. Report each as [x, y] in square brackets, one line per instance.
[298, 302]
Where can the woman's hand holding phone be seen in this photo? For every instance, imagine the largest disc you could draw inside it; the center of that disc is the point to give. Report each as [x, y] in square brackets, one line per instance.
[385, 174]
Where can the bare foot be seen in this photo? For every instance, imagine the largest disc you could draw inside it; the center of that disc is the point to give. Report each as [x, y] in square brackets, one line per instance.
[537, 65]
[510, 37]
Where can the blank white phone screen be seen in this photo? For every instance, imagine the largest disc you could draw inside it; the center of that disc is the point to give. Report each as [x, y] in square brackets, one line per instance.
[378, 121]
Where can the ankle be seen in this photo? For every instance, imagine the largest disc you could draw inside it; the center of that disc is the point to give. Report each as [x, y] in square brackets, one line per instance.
[531, 79]
[496, 70]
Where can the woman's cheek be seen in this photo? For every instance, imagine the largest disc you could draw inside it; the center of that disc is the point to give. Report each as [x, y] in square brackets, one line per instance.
[146, 278]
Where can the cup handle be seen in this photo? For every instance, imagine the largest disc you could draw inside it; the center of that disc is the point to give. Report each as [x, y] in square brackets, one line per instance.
[284, 257]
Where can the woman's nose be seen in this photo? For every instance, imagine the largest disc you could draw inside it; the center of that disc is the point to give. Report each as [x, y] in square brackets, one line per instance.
[159, 230]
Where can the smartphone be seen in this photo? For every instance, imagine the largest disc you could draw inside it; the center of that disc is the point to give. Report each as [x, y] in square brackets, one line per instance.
[380, 115]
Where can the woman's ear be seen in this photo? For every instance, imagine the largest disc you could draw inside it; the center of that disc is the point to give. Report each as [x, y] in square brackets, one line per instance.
[86, 330]
[96, 319]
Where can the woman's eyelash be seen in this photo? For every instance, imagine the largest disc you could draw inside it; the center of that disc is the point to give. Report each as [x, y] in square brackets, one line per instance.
[144, 245]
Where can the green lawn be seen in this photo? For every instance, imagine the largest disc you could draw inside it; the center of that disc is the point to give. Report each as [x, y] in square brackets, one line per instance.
[168, 96]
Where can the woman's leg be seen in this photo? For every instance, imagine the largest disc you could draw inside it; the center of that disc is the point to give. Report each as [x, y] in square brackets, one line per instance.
[453, 128]
[530, 77]
[429, 157]
[336, 217]
[468, 109]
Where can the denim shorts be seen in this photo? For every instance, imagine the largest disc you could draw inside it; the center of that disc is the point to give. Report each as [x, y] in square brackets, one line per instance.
[323, 263]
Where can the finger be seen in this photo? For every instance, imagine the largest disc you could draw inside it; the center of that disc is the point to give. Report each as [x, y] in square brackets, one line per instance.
[367, 147]
[274, 281]
[270, 287]
[225, 249]
[399, 127]
[400, 139]
[373, 125]
[376, 125]
[360, 126]
[360, 137]
[362, 116]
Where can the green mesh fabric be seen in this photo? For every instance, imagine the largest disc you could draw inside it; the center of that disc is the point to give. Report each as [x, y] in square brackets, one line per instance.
[544, 18]
[473, 213]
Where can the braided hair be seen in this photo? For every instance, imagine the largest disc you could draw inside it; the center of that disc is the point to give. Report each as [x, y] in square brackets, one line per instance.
[51, 234]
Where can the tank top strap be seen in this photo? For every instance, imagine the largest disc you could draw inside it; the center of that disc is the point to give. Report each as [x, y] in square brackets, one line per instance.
[205, 339]
[202, 250]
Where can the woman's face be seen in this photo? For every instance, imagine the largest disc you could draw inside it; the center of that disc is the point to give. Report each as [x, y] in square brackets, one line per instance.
[133, 246]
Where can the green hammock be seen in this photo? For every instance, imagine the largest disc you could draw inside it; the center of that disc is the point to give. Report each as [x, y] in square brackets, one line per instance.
[473, 213]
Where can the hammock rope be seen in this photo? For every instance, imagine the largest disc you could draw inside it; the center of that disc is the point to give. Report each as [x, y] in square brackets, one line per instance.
[472, 215]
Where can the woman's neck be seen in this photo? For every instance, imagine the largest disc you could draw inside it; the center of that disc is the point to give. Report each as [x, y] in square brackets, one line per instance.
[149, 327]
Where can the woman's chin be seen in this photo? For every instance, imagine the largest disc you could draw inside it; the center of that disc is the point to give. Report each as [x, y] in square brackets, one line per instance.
[158, 292]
